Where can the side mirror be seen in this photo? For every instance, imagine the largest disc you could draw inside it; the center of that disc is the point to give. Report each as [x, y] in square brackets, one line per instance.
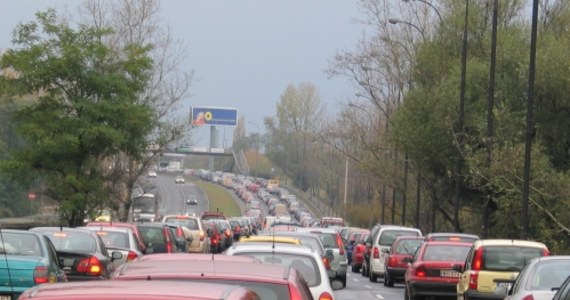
[408, 260]
[385, 250]
[116, 255]
[458, 268]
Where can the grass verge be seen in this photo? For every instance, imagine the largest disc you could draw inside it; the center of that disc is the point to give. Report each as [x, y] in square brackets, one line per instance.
[219, 198]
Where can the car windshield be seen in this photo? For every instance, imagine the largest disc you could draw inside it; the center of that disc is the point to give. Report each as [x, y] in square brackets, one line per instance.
[20, 244]
[508, 258]
[306, 265]
[549, 274]
[73, 241]
[446, 253]
[388, 237]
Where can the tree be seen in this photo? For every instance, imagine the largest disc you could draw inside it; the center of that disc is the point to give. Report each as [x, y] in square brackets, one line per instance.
[84, 109]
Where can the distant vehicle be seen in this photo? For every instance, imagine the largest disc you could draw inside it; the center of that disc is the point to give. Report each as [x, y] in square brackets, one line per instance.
[145, 208]
[179, 179]
[330, 222]
[192, 201]
[152, 174]
[451, 237]
[28, 258]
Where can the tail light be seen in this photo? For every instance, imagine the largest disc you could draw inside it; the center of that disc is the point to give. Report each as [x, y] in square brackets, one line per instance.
[376, 253]
[340, 244]
[228, 232]
[132, 256]
[179, 232]
[544, 253]
[91, 266]
[214, 240]
[528, 297]
[327, 263]
[473, 279]
[325, 296]
[41, 275]
[202, 235]
[393, 261]
[294, 293]
[168, 247]
[420, 271]
[477, 259]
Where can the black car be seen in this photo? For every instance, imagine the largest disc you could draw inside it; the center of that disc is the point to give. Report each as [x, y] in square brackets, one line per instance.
[82, 253]
[158, 238]
[192, 201]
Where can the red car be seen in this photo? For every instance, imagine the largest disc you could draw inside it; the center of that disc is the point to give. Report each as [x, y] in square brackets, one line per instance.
[138, 290]
[431, 273]
[358, 253]
[403, 248]
[269, 281]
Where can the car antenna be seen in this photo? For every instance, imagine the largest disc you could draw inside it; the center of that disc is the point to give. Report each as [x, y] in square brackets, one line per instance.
[6, 259]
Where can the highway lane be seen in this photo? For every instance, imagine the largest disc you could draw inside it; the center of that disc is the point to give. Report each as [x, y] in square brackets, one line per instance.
[359, 287]
[174, 196]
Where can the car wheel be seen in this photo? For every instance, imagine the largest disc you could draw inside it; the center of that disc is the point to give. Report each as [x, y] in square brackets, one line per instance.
[372, 277]
[343, 282]
[355, 269]
[408, 295]
[389, 282]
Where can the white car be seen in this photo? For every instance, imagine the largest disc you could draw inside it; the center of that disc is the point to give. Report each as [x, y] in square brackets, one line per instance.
[179, 179]
[152, 174]
[306, 260]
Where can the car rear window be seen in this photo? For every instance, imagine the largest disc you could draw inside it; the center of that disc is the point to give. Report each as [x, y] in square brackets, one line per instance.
[508, 258]
[549, 274]
[73, 241]
[20, 244]
[269, 291]
[387, 237]
[189, 223]
[306, 265]
[446, 253]
[114, 239]
[407, 246]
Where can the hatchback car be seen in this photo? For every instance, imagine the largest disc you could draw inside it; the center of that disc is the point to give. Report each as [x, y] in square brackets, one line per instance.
[82, 253]
[157, 238]
[305, 260]
[179, 179]
[431, 273]
[493, 265]
[200, 242]
[540, 278]
[29, 259]
[272, 282]
[137, 290]
[451, 236]
[402, 249]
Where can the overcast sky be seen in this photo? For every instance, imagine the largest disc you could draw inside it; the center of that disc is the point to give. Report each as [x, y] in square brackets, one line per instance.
[244, 52]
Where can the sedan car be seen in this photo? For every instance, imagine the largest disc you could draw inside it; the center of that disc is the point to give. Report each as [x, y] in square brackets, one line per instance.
[137, 290]
[152, 174]
[272, 282]
[82, 253]
[540, 278]
[431, 271]
[179, 179]
[29, 259]
[119, 239]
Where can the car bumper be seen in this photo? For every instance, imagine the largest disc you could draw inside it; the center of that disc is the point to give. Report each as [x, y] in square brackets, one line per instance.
[396, 273]
[339, 272]
[433, 289]
[475, 295]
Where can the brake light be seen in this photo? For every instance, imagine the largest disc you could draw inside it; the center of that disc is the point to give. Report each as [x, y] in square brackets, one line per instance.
[393, 261]
[132, 256]
[237, 229]
[420, 271]
[179, 232]
[376, 253]
[325, 296]
[545, 253]
[41, 275]
[213, 240]
[294, 293]
[529, 297]
[473, 279]
[340, 244]
[202, 235]
[91, 266]
[327, 263]
[168, 247]
[477, 259]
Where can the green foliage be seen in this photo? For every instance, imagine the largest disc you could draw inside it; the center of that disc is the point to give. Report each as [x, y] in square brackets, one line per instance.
[84, 108]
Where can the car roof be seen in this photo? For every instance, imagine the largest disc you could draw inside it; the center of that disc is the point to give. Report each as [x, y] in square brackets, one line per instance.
[506, 242]
[221, 269]
[269, 239]
[62, 229]
[137, 290]
[107, 228]
[196, 256]
[269, 247]
[317, 230]
[448, 243]
[437, 234]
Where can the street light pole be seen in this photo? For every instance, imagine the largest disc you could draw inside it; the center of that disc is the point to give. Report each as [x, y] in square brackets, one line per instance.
[345, 183]
[398, 21]
[430, 5]
[256, 145]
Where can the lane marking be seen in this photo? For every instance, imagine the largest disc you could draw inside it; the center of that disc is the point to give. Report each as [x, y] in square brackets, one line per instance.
[379, 296]
[367, 286]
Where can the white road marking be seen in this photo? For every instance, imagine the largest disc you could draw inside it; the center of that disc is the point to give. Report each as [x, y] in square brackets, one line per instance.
[367, 286]
[379, 296]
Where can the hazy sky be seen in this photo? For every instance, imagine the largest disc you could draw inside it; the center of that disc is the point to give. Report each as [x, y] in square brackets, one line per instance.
[244, 52]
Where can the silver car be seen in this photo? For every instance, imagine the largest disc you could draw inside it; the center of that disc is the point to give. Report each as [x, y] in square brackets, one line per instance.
[119, 239]
[331, 240]
[540, 278]
[307, 261]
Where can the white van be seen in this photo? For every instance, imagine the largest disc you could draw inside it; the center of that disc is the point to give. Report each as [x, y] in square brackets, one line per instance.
[380, 245]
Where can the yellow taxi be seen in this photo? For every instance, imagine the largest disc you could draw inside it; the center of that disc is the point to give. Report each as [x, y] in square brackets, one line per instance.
[270, 239]
[493, 265]
[104, 216]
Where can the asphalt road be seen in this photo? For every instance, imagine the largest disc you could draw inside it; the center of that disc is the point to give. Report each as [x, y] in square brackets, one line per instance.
[174, 202]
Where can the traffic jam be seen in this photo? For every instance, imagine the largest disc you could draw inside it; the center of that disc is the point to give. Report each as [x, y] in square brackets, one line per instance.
[276, 250]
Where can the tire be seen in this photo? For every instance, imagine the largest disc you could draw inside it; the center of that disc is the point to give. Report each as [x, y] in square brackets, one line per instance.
[355, 269]
[343, 280]
[388, 282]
[364, 272]
[372, 277]
[408, 295]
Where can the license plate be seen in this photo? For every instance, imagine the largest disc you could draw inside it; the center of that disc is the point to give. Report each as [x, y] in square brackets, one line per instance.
[449, 273]
[506, 285]
[5, 297]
